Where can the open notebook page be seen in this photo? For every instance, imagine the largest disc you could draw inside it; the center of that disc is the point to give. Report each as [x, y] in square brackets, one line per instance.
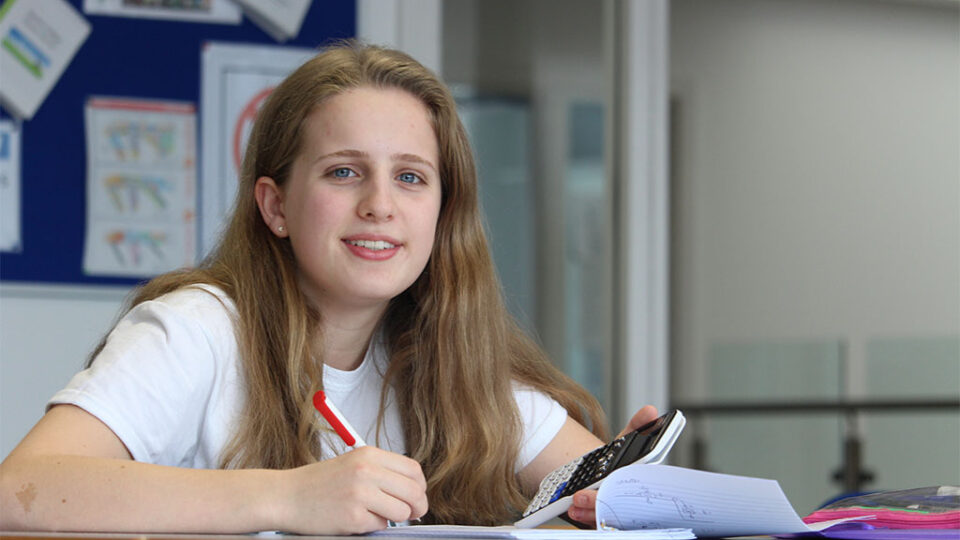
[711, 504]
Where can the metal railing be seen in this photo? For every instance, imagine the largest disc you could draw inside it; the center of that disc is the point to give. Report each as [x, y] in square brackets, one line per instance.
[851, 474]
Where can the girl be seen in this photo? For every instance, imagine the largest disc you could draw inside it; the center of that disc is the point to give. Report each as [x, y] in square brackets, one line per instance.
[355, 261]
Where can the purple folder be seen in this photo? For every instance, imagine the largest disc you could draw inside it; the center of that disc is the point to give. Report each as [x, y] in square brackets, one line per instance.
[858, 530]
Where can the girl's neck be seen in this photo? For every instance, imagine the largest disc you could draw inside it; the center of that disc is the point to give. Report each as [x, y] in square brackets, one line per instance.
[346, 336]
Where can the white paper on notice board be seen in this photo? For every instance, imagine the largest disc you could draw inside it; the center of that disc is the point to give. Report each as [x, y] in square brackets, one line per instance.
[281, 19]
[208, 11]
[38, 38]
[10, 187]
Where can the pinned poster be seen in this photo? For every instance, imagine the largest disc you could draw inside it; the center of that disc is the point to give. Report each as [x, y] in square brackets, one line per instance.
[9, 186]
[236, 80]
[281, 19]
[141, 187]
[202, 11]
[38, 38]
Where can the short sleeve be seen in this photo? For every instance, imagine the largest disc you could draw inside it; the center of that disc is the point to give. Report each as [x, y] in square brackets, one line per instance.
[153, 381]
[542, 419]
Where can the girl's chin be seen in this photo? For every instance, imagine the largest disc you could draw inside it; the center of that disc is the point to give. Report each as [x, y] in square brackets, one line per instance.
[366, 299]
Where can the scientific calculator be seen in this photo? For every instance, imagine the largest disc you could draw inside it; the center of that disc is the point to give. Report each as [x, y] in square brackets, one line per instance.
[648, 444]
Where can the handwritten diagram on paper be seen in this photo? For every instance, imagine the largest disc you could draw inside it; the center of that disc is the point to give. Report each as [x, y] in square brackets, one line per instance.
[9, 186]
[636, 505]
[237, 79]
[711, 504]
[141, 187]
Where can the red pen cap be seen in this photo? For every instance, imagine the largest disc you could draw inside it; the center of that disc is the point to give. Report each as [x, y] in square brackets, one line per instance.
[320, 403]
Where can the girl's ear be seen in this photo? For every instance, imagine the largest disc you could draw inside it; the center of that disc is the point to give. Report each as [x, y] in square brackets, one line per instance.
[270, 201]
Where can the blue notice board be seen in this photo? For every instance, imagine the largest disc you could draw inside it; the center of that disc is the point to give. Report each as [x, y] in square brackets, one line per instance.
[134, 58]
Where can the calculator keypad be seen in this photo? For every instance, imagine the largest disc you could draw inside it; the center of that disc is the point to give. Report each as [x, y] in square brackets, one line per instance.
[578, 474]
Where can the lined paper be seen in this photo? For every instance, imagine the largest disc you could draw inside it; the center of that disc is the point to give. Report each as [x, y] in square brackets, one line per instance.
[711, 504]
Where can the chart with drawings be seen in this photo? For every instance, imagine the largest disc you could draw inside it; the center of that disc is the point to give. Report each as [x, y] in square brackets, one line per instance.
[710, 504]
[141, 187]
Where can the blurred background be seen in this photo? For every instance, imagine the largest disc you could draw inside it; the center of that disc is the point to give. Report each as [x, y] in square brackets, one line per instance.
[747, 209]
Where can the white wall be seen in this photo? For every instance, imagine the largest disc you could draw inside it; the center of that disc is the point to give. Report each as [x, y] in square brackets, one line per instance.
[816, 196]
[46, 333]
[818, 183]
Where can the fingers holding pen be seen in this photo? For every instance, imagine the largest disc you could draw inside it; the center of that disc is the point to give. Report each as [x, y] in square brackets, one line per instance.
[379, 483]
[398, 463]
[353, 493]
[397, 476]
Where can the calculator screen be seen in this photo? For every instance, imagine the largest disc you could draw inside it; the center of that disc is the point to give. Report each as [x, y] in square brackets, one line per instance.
[651, 433]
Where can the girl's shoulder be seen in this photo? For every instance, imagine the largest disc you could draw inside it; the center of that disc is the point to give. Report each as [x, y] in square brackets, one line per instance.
[197, 300]
[197, 309]
[166, 373]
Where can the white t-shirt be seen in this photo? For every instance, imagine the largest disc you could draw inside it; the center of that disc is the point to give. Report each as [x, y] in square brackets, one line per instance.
[168, 384]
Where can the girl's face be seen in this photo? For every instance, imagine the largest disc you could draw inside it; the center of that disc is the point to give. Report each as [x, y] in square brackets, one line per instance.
[363, 198]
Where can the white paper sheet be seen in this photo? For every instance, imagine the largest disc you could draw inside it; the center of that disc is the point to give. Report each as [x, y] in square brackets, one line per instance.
[38, 38]
[9, 187]
[141, 187]
[205, 11]
[711, 504]
[281, 19]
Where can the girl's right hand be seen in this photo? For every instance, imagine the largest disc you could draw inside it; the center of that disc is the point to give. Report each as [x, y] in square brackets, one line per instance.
[356, 492]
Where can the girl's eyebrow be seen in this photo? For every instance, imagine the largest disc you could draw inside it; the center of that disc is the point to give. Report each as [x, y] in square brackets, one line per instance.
[413, 158]
[364, 155]
[343, 153]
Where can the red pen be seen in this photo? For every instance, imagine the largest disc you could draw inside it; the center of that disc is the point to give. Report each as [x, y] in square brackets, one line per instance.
[343, 428]
[336, 420]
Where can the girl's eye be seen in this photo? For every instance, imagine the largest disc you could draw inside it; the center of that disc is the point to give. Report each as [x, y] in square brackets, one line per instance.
[343, 172]
[409, 178]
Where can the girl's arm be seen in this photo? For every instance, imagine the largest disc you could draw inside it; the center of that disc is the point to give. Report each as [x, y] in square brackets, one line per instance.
[572, 441]
[72, 473]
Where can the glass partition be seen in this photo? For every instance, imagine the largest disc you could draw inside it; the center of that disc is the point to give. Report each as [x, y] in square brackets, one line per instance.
[534, 81]
[800, 451]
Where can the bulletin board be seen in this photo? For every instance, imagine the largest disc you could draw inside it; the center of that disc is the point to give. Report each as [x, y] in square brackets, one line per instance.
[125, 57]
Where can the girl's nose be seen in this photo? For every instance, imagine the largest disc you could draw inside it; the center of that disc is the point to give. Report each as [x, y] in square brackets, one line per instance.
[377, 201]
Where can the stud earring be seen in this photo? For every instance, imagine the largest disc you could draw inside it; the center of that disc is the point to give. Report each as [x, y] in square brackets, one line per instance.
[280, 229]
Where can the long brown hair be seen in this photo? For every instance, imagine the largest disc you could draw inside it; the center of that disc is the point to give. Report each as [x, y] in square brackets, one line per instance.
[454, 350]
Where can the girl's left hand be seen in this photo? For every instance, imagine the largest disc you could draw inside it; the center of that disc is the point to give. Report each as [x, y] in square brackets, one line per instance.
[585, 500]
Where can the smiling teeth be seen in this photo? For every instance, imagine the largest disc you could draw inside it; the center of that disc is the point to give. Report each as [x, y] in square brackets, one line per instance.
[375, 245]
